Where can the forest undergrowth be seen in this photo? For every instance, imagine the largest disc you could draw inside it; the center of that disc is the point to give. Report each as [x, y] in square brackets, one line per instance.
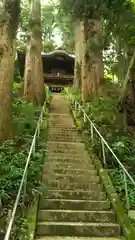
[13, 156]
[105, 113]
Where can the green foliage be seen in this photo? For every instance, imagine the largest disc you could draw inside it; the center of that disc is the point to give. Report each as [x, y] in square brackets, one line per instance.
[47, 19]
[49, 46]
[47, 24]
[66, 28]
[118, 181]
[104, 112]
[13, 155]
[25, 116]
[23, 30]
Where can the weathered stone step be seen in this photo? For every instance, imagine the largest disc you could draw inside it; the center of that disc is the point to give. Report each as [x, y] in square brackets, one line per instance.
[77, 229]
[58, 115]
[76, 194]
[59, 125]
[65, 150]
[68, 159]
[57, 137]
[61, 131]
[63, 165]
[73, 204]
[78, 238]
[67, 146]
[76, 156]
[68, 131]
[55, 184]
[70, 178]
[76, 215]
[60, 110]
[64, 133]
[70, 171]
[63, 120]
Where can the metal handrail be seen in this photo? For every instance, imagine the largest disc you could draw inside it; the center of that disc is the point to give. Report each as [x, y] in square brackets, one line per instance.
[24, 177]
[104, 143]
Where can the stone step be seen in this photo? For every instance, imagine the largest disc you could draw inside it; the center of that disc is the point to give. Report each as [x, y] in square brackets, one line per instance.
[77, 229]
[53, 126]
[69, 159]
[76, 216]
[68, 204]
[60, 110]
[65, 150]
[73, 157]
[56, 137]
[58, 116]
[70, 171]
[66, 133]
[61, 125]
[55, 184]
[67, 146]
[71, 178]
[62, 131]
[66, 165]
[69, 130]
[78, 238]
[76, 194]
[62, 120]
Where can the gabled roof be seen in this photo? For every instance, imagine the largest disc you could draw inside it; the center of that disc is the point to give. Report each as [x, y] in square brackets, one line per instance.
[58, 53]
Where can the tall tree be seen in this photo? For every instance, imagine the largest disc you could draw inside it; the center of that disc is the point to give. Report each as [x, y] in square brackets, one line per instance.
[9, 16]
[92, 70]
[33, 76]
[79, 33]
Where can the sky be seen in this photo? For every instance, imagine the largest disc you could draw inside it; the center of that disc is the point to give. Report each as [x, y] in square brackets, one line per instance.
[45, 1]
[57, 37]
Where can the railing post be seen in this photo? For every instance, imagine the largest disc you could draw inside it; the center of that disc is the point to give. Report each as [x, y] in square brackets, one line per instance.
[25, 186]
[126, 190]
[84, 117]
[9, 215]
[38, 131]
[75, 105]
[33, 150]
[92, 133]
[103, 153]
[41, 117]
[79, 109]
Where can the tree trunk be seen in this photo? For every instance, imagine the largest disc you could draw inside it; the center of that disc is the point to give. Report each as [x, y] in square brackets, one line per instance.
[78, 54]
[34, 90]
[92, 64]
[8, 29]
[128, 77]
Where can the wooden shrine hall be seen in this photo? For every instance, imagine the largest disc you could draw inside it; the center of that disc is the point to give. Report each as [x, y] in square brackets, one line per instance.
[58, 68]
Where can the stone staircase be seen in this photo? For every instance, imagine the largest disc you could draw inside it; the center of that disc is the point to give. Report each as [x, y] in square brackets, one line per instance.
[75, 204]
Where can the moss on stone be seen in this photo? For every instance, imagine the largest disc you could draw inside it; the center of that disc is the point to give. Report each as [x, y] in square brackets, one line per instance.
[125, 222]
[31, 220]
